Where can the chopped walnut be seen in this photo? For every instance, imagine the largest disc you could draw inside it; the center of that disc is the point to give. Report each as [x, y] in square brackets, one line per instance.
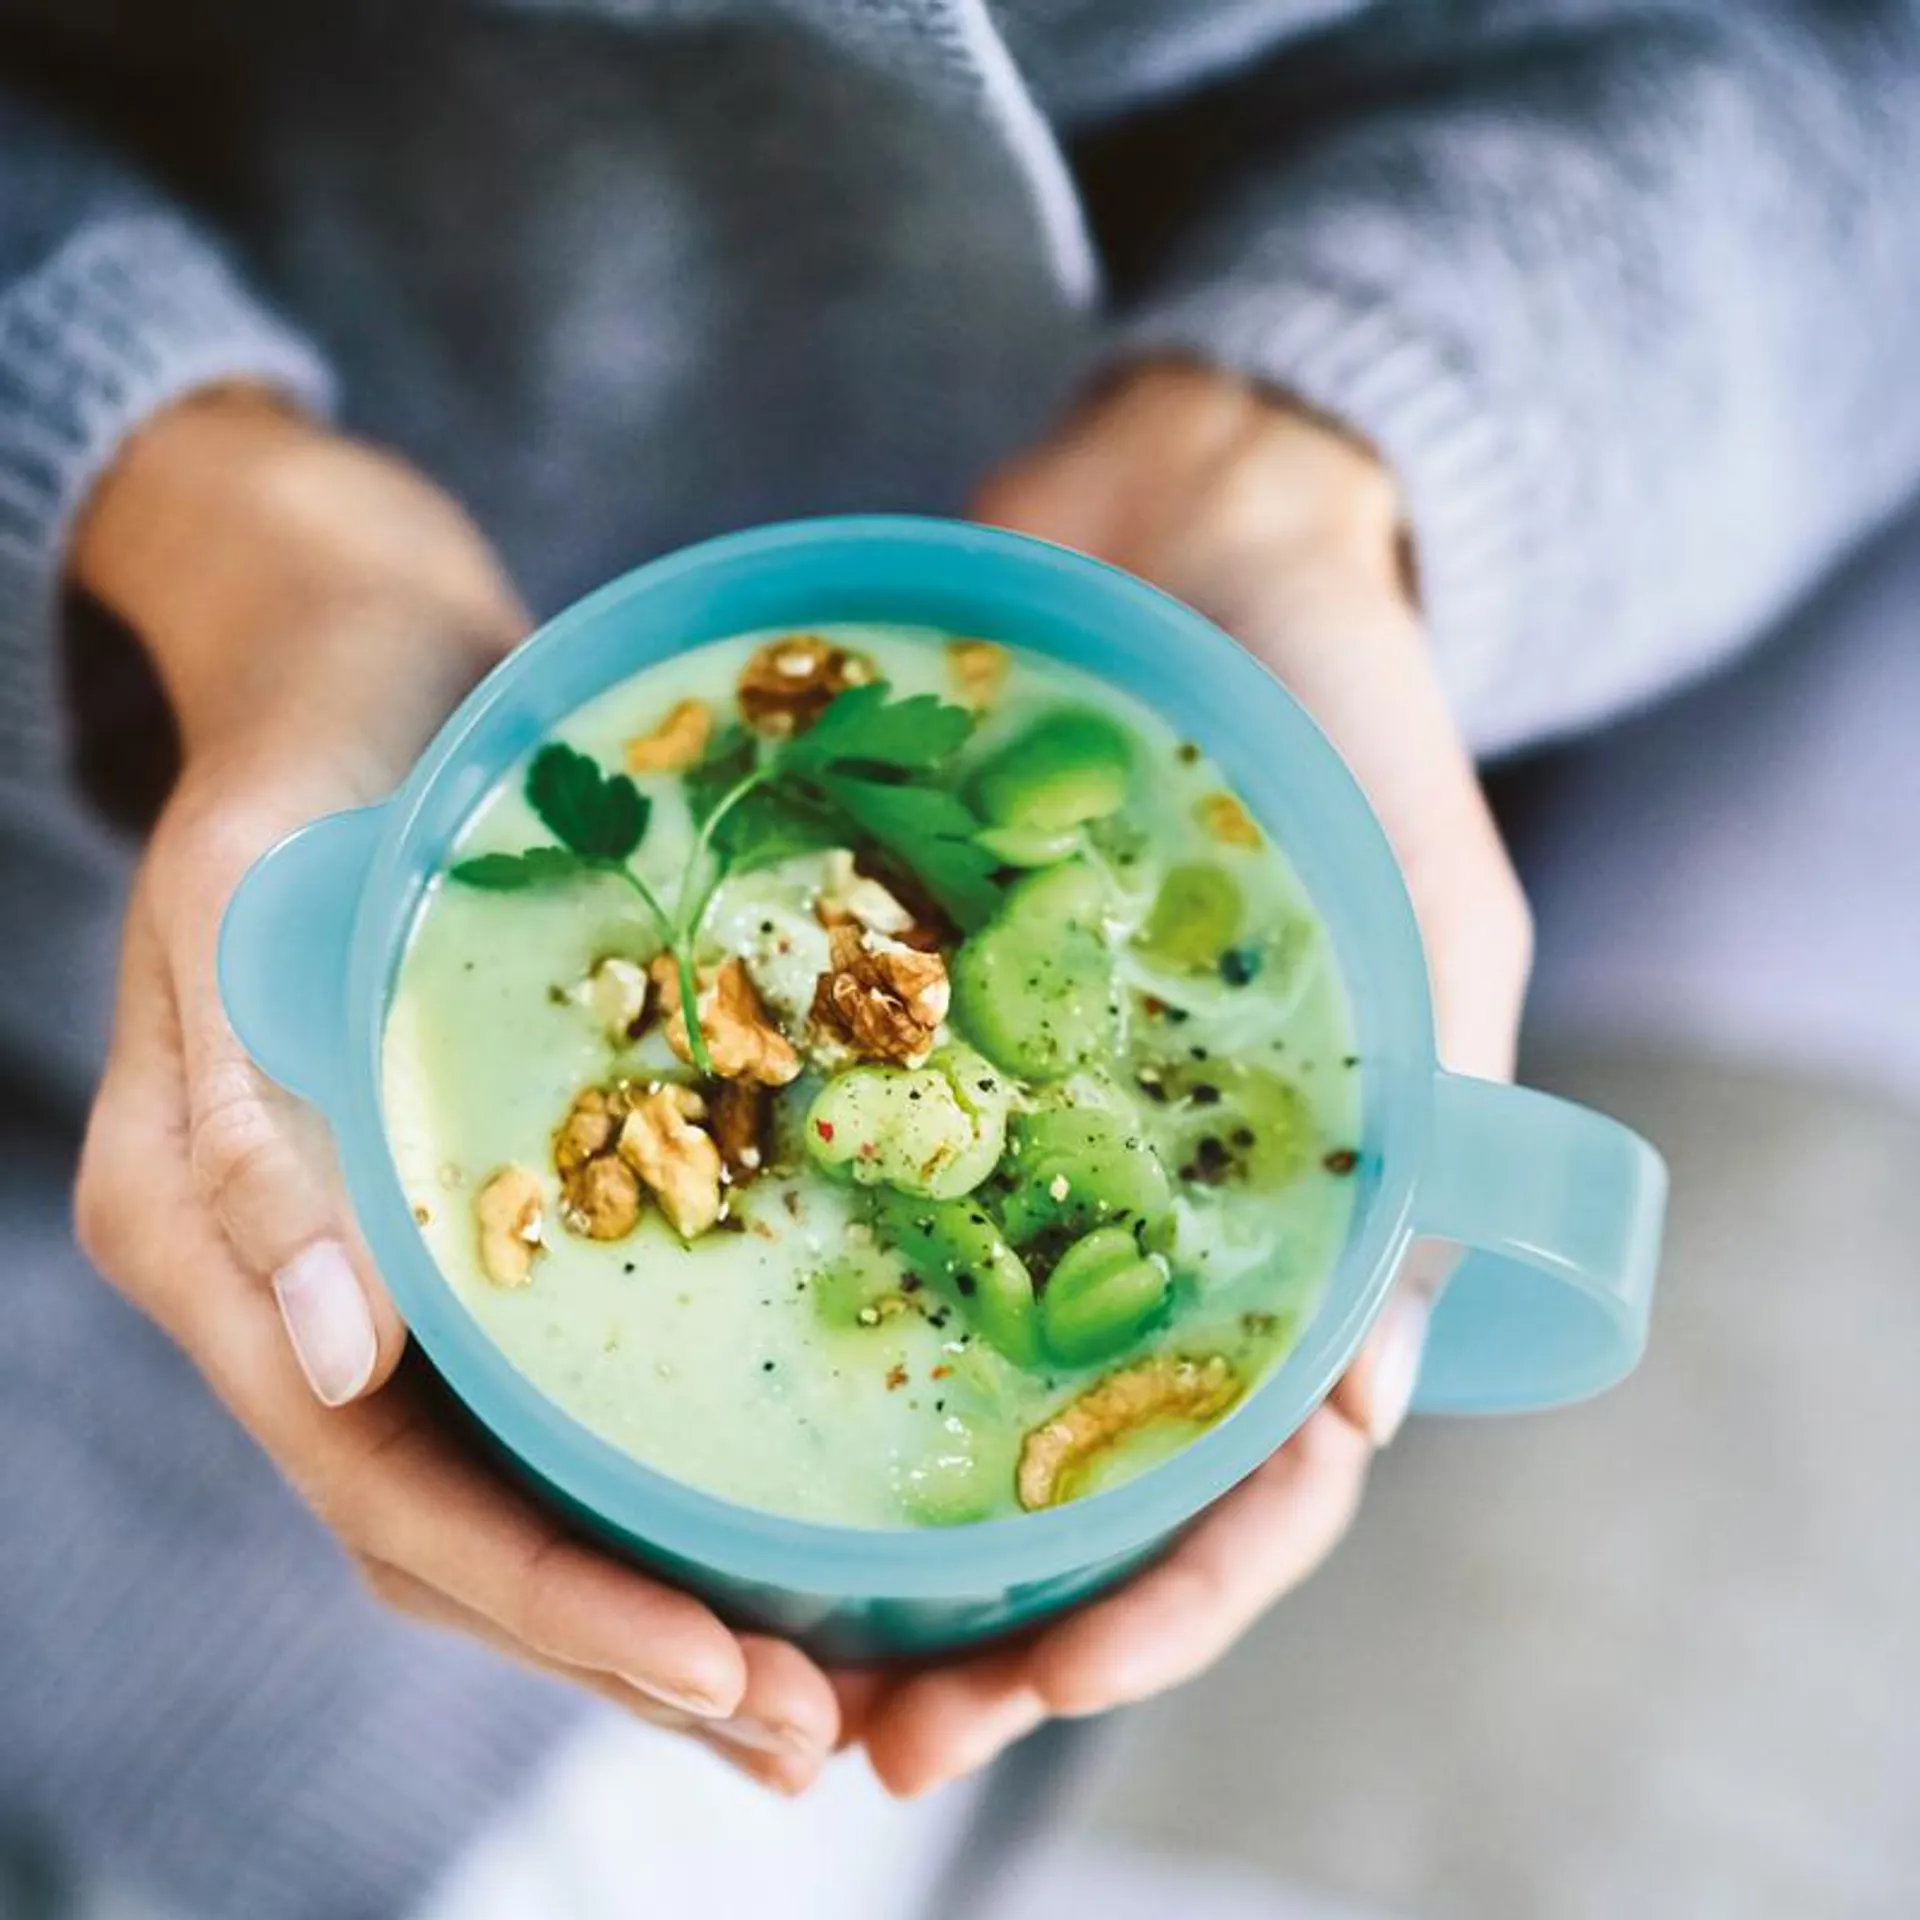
[599, 1197]
[589, 1129]
[602, 1200]
[676, 743]
[878, 1000]
[618, 991]
[742, 1041]
[852, 895]
[741, 1127]
[979, 671]
[1163, 1388]
[789, 683]
[675, 1157]
[1226, 818]
[507, 1213]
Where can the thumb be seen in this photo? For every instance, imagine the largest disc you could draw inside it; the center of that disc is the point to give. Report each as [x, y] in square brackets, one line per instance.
[263, 1167]
[1376, 1392]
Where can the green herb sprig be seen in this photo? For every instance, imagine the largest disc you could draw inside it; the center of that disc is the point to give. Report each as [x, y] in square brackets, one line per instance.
[864, 773]
[599, 820]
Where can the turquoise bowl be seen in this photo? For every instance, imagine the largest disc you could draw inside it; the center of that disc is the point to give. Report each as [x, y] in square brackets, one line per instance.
[1557, 1209]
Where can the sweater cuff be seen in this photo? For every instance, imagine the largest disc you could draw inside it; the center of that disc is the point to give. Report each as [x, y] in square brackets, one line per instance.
[1476, 500]
[127, 317]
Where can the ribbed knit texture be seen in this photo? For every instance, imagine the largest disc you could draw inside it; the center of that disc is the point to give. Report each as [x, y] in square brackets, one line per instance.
[1351, 355]
[129, 314]
[1626, 299]
[1625, 294]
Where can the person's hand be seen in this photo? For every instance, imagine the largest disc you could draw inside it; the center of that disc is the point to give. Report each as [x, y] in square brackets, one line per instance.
[314, 609]
[1287, 533]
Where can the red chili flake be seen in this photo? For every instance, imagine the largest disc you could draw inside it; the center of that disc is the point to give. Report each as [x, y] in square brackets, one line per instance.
[1342, 1160]
[896, 1377]
[868, 1151]
[824, 1128]
[1152, 1006]
[940, 1373]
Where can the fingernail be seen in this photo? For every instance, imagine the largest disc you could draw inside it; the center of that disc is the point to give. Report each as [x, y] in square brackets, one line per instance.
[328, 1322]
[781, 1773]
[669, 1719]
[759, 1736]
[1396, 1365]
[687, 1700]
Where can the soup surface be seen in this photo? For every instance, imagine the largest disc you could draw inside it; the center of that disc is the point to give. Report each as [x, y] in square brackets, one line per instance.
[876, 1076]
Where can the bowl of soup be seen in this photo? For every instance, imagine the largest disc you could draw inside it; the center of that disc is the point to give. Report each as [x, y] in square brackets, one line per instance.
[887, 1065]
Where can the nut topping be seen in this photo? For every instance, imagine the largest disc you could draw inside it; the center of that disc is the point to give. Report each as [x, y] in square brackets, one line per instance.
[602, 1200]
[741, 1125]
[507, 1213]
[878, 1000]
[850, 894]
[979, 670]
[589, 1129]
[742, 1041]
[676, 743]
[599, 1197]
[1164, 1388]
[618, 991]
[675, 1157]
[1225, 817]
[790, 682]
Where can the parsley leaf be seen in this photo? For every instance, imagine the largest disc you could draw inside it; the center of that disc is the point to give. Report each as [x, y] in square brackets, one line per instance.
[599, 816]
[763, 822]
[729, 758]
[864, 728]
[517, 872]
[861, 772]
[774, 823]
[929, 831]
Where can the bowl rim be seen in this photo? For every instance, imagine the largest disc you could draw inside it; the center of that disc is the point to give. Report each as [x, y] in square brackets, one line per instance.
[683, 1524]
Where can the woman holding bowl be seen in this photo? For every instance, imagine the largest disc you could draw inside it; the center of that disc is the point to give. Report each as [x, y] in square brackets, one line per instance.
[1478, 372]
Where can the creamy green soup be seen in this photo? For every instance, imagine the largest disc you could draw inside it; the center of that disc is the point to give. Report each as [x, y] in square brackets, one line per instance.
[876, 1077]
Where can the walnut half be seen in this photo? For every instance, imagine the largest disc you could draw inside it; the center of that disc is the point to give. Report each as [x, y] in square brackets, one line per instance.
[507, 1213]
[790, 682]
[660, 1141]
[1163, 1388]
[878, 1000]
[742, 1040]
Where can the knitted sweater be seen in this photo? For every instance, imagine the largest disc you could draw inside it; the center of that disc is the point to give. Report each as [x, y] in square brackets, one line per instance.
[1624, 292]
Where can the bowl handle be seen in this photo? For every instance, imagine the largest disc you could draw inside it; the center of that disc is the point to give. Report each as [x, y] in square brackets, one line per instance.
[284, 941]
[1558, 1210]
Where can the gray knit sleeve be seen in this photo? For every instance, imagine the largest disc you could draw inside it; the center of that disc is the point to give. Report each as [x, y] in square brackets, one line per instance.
[1628, 296]
[112, 303]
